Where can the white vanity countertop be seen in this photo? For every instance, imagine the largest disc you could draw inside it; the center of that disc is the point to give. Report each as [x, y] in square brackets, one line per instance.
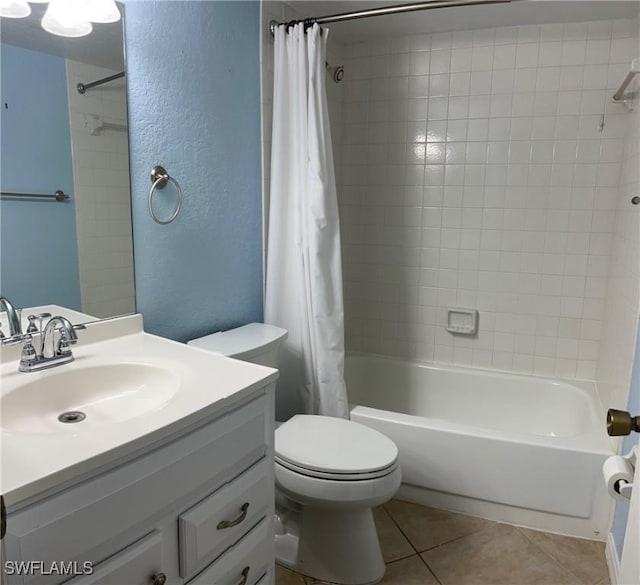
[33, 462]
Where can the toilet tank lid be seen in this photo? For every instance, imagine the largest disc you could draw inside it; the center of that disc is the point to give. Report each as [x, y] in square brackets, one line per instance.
[241, 341]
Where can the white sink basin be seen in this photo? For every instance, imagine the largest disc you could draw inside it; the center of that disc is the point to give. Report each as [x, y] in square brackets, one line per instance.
[105, 394]
[135, 389]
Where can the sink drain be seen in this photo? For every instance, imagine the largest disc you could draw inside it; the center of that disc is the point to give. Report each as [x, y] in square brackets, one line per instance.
[73, 416]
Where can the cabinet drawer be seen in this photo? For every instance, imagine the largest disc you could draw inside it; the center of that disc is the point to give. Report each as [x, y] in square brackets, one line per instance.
[245, 563]
[135, 565]
[214, 524]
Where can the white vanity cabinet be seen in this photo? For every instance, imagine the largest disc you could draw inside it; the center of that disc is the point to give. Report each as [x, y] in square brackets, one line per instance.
[195, 507]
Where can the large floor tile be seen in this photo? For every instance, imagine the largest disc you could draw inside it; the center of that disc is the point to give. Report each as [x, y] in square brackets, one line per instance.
[287, 577]
[409, 571]
[499, 555]
[584, 558]
[392, 542]
[429, 527]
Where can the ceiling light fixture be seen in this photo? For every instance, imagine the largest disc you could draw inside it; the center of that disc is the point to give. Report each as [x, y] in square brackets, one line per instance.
[14, 8]
[66, 18]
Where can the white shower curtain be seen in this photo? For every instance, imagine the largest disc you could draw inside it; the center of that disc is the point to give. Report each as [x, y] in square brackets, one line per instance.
[304, 272]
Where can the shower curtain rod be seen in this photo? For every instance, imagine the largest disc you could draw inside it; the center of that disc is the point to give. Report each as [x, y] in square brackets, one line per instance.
[82, 87]
[383, 11]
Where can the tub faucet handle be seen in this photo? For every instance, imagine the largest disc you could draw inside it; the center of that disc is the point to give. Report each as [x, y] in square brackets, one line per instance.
[620, 422]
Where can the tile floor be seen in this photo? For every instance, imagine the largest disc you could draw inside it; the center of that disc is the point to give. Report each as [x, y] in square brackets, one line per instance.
[425, 546]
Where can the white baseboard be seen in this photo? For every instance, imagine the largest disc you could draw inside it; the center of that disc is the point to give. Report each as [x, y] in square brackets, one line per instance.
[613, 562]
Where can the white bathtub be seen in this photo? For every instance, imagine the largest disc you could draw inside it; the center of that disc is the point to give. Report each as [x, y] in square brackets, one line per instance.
[512, 448]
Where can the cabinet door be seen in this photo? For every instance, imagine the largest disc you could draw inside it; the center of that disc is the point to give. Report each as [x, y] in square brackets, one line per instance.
[135, 565]
[131, 495]
[245, 563]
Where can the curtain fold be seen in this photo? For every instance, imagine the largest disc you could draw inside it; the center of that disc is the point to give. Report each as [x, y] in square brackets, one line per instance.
[304, 266]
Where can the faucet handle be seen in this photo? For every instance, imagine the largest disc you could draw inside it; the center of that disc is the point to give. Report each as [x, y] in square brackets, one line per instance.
[29, 354]
[14, 339]
[33, 328]
[63, 347]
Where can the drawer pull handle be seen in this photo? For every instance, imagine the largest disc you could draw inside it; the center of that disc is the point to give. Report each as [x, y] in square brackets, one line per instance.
[245, 575]
[230, 523]
[159, 579]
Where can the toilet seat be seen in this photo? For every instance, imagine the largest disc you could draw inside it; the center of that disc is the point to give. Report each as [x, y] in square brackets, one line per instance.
[336, 476]
[337, 493]
[336, 449]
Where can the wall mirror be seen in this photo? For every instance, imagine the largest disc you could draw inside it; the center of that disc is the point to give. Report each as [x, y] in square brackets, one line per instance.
[76, 252]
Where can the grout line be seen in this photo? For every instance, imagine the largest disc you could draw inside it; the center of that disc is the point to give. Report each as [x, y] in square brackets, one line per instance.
[457, 538]
[419, 553]
[547, 554]
[491, 524]
[403, 558]
[416, 551]
[430, 569]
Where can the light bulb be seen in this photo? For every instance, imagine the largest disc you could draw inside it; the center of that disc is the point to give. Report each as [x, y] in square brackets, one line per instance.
[101, 11]
[66, 18]
[14, 8]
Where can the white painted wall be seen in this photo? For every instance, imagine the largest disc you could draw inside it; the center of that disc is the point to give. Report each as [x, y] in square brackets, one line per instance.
[475, 174]
[102, 193]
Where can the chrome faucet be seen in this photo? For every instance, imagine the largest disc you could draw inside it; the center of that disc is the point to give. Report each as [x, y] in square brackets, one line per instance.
[15, 327]
[68, 337]
[53, 352]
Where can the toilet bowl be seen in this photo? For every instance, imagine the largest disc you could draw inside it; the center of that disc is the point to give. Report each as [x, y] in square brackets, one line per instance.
[329, 474]
[333, 471]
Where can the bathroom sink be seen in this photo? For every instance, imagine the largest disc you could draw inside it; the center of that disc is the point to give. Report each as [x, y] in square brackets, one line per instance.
[133, 390]
[84, 398]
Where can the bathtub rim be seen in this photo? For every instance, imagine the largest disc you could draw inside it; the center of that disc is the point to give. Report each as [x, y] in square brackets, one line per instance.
[593, 439]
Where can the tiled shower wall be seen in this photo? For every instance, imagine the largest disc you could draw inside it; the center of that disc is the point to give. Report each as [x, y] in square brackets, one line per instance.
[481, 169]
[622, 303]
[102, 193]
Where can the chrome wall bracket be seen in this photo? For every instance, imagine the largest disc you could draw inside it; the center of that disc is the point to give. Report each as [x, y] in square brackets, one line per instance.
[160, 176]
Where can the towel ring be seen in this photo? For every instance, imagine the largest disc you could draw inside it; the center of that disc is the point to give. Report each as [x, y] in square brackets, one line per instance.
[159, 180]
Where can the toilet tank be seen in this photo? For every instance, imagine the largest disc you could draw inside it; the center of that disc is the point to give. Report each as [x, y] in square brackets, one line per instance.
[257, 343]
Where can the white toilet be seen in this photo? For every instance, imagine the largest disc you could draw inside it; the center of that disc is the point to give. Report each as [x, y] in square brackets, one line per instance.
[329, 472]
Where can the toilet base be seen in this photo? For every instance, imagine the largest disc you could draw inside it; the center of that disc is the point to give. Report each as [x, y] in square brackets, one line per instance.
[338, 546]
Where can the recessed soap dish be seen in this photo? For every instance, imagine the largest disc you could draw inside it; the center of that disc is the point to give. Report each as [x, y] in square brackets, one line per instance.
[462, 321]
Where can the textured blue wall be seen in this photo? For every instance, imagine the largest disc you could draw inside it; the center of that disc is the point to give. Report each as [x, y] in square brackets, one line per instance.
[193, 81]
[38, 243]
[622, 508]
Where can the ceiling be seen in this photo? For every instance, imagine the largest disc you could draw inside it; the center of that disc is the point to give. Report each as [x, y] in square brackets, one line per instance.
[518, 12]
[103, 47]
